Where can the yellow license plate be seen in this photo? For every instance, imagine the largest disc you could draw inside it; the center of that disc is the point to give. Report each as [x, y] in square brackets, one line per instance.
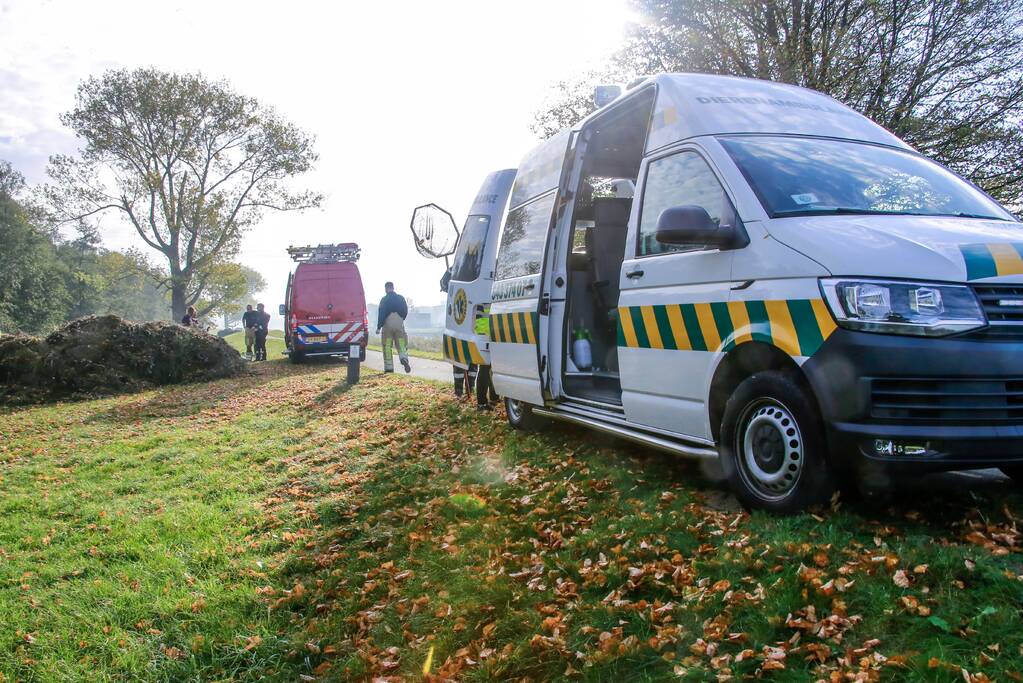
[315, 338]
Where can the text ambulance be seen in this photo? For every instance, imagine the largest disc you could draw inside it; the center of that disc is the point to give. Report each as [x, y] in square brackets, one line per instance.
[790, 288]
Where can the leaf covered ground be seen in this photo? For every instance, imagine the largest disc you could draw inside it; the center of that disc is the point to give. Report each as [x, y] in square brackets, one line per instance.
[284, 526]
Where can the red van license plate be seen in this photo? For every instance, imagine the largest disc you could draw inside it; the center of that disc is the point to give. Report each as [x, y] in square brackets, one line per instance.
[315, 338]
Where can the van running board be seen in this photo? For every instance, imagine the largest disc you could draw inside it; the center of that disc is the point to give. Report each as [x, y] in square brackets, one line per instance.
[630, 435]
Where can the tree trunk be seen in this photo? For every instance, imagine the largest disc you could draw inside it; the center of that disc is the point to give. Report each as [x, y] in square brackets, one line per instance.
[177, 301]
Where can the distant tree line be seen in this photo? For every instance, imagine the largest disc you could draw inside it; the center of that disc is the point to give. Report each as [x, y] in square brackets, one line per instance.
[944, 75]
[46, 279]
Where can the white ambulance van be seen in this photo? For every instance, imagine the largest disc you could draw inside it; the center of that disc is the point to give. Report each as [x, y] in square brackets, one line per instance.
[472, 272]
[790, 289]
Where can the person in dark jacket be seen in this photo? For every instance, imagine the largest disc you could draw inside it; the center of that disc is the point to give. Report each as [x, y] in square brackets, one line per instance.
[191, 317]
[391, 319]
[262, 328]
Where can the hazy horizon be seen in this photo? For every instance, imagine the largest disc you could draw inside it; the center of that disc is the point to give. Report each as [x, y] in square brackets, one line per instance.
[409, 105]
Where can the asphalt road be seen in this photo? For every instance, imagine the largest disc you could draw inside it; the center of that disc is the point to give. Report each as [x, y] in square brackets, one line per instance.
[421, 367]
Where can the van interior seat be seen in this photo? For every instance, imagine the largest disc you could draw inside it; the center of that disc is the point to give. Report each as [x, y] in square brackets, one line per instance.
[605, 245]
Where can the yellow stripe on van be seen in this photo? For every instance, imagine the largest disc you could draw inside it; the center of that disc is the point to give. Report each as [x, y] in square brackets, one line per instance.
[1007, 259]
[783, 330]
[530, 332]
[824, 320]
[629, 332]
[474, 354]
[650, 324]
[517, 335]
[740, 321]
[708, 327]
[678, 327]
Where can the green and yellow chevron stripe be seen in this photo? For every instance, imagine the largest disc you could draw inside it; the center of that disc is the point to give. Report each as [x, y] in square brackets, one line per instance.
[513, 328]
[462, 351]
[796, 326]
[992, 260]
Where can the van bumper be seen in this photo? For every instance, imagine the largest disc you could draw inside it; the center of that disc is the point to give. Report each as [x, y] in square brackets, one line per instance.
[919, 404]
[310, 350]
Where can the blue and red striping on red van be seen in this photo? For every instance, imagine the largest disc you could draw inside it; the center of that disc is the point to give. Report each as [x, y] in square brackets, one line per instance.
[334, 333]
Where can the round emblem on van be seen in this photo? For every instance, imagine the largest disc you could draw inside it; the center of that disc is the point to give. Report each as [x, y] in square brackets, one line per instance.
[461, 306]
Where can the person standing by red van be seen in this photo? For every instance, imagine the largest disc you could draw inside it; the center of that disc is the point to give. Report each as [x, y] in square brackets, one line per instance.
[262, 328]
[391, 319]
[249, 324]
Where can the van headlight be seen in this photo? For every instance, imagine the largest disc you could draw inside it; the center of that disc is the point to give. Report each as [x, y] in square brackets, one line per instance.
[917, 308]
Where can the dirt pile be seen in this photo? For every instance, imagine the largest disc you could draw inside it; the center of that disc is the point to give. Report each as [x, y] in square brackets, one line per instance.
[105, 355]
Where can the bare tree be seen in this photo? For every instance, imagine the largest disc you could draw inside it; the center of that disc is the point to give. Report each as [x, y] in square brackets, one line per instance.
[945, 75]
[190, 163]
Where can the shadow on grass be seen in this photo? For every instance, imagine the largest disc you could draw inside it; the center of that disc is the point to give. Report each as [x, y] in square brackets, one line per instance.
[182, 400]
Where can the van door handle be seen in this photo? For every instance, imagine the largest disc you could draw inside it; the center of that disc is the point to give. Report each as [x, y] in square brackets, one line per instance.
[634, 274]
[529, 286]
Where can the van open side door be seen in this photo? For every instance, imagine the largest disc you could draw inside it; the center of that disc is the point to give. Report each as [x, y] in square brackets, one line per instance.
[518, 359]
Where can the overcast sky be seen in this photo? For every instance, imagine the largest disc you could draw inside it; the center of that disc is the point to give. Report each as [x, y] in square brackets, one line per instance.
[410, 102]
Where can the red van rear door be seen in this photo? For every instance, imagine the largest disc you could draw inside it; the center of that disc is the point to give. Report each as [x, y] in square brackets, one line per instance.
[348, 304]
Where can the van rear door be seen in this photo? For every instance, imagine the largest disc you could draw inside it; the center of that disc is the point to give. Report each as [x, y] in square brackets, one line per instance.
[517, 359]
[347, 304]
[472, 272]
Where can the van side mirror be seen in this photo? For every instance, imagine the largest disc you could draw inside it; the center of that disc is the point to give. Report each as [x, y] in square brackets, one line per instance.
[692, 225]
[281, 309]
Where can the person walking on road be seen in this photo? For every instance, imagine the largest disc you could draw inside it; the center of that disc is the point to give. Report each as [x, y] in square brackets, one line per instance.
[249, 325]
[262, 328]
[391, 319]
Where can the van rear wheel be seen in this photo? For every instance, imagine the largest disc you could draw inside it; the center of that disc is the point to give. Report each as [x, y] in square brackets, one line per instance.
[521, 415]
[353, 370]
[773, 449]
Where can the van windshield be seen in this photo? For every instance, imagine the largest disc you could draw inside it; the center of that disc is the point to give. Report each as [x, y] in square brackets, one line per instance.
[803, 176]
[469, 253]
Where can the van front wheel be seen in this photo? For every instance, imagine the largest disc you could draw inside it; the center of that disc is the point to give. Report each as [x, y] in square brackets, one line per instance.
[773, 445]
[521, 416]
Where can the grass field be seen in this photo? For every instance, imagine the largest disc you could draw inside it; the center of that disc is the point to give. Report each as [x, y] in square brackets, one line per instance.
[274, 343]
[284, 525]
[420, 347]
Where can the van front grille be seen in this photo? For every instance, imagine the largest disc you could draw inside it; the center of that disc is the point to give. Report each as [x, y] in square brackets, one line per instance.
[1003, 305]
[948, 401]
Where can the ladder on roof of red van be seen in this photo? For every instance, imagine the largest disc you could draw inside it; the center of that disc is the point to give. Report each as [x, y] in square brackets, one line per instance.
[326, 253]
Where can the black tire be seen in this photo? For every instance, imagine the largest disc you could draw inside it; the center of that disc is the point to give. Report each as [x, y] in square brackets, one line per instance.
[353, 370]
[297, 358]
[1014, 472]
[521, 415]
[773, 450]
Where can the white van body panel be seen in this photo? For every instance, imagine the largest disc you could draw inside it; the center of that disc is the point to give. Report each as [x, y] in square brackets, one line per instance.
[461, 345]
[513, 335]
[910, 247]
[693, 105]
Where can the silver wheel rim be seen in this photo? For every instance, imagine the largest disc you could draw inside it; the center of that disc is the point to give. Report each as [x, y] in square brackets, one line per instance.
[514, 410]
[771, 448]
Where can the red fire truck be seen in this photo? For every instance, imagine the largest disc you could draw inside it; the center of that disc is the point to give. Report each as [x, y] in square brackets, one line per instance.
[325, 306]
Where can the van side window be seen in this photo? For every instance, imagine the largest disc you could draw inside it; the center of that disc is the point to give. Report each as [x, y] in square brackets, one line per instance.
[469, 253]
[675, 180]
[522, 243]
